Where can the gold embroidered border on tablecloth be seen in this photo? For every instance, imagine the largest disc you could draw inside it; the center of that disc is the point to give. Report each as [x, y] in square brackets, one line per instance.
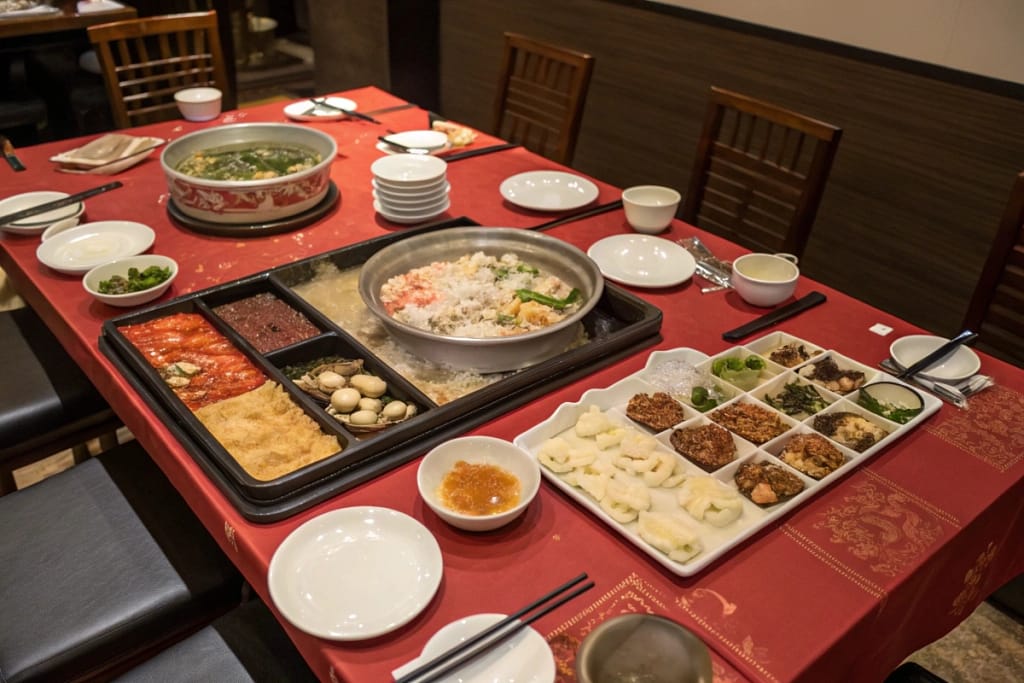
[867, 585]
[991, 429]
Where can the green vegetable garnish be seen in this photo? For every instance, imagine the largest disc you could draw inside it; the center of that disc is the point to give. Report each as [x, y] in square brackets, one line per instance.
[557, 304]
[796, 398]
[527, 268]
[742, 373]
[701, 399]
[136, 280]
[897, 414]
[754, 362]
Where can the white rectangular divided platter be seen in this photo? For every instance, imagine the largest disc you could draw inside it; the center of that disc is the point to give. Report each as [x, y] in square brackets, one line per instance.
[683, 516]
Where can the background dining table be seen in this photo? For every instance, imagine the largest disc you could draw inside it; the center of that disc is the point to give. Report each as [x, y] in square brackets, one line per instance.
[887, 559]
[67, 16]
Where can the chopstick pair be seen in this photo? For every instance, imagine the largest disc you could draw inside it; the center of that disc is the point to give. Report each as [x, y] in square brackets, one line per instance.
[58, 203]
[579, 215]
[490, 637]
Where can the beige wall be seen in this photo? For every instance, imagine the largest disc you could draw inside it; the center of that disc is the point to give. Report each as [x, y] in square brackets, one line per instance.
[984, 37]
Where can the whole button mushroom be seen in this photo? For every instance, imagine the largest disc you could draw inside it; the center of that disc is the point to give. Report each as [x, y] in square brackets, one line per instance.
[345, 400]
[368, 385]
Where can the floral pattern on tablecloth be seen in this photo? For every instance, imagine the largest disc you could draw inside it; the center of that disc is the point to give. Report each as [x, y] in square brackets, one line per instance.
[991, 429]
[969, 596]
[876, 527]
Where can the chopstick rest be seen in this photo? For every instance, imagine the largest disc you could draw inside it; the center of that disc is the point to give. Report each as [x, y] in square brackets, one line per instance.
[787, 311]
[494, 635]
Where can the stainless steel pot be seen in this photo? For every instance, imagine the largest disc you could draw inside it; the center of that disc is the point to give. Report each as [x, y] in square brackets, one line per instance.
[483, 354]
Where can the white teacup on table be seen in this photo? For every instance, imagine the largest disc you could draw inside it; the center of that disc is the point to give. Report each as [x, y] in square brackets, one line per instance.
[765, 279]
[650, 208]
[199, 104]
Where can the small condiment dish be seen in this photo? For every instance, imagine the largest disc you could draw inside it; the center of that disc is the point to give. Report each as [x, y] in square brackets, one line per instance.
[956, 367]
[765, 279]
[408, 170]
[477, 450]
[199, 104]
[35, 225]
[891, 400]
[650, 208]
[91, 281]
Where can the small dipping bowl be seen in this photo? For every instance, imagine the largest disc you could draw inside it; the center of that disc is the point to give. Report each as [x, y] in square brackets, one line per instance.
[91, 281]
[765, 279]
[650, 208]
[642, 647]
[477, 450]
[199, 104]
[956, 367]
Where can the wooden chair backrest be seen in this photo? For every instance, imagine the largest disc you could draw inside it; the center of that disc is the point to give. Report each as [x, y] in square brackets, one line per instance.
[759, 173]
[145, 61]
[541, 92]
[996, 310]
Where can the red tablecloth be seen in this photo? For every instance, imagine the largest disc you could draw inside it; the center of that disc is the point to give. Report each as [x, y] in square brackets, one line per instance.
[886, 560]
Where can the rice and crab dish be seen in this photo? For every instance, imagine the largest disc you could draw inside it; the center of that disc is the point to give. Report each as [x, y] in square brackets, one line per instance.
[479, 296]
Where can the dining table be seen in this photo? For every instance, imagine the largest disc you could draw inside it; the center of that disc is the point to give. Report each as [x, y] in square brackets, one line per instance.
[61, 16]
[888, 558]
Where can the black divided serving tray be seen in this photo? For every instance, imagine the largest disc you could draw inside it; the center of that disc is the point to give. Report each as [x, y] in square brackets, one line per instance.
[620, 324]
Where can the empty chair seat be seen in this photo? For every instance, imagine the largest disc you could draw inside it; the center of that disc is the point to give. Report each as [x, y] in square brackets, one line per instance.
[541, 92]
[759, 173]
[996, 310]
[246, 645]
[102, 563]
[46, 403]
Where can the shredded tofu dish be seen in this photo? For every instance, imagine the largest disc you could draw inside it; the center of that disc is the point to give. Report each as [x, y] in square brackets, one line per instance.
[479, 296]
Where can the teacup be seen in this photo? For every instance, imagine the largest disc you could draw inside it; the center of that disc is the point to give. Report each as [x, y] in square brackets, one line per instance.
[650, 208]
[765, 279]
[199, 104]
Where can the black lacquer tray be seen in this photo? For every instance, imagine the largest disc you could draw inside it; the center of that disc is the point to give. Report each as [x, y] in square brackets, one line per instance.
[620, 324]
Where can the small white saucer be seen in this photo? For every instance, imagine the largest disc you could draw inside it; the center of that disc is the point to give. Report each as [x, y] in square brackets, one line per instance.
[34, 225]
[642, 260]
[303, 110]
[78, 250]
[548, 190]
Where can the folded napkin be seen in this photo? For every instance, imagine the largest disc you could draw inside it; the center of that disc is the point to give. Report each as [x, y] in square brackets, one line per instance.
[107, 154]
[709, 266]
[87, 6]
[956, 393]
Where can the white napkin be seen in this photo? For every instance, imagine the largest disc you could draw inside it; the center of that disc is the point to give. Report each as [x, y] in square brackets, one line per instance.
[107, 154]
[87, 6]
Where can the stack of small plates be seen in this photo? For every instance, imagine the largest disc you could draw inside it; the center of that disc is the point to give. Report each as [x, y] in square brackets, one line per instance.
[410, 188]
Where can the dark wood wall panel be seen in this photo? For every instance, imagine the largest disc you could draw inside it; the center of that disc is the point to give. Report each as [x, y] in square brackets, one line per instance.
[922, 174]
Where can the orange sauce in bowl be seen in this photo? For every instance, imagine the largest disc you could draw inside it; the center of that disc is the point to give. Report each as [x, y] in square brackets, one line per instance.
[479, 490]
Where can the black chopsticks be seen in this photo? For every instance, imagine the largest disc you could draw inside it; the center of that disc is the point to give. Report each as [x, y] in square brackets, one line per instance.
[495, 635]
[778, 315]
[455, 156]
[57, 203]
[938, 354]
[579, 215]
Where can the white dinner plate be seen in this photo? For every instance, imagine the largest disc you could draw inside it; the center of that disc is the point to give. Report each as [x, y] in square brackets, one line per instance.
[77, 250]
[34, 225]
[430, 141]
[355, 573]
[523, 658]
[548, 190]
[411, 218]
[642, 260]
[297, 111]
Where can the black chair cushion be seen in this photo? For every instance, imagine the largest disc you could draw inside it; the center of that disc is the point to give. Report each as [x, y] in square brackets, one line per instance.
[99, 563]
[245, 645]
[42, 386]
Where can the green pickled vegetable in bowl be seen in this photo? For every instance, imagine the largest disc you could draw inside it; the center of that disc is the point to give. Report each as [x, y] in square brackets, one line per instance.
[136, 281]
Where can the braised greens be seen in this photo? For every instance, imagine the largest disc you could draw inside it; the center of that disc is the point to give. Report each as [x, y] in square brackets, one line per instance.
[257, 161]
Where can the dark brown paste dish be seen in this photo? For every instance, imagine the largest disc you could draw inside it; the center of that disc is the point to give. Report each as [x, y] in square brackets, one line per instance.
[266, 322]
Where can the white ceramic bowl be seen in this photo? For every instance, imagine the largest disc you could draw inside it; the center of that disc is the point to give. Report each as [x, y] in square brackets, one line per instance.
[650, 208]
[958, 366]
[764, 279]
[94, 277]
[396, 192]
[477, 450]
[34, 225]
[199, 104]
[408, 170]
[416, 209]
[249, 201]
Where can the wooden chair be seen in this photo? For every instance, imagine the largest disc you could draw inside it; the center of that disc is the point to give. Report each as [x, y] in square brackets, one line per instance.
[759, 173]
[996, 310]
[541, 92]
[145, 61]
